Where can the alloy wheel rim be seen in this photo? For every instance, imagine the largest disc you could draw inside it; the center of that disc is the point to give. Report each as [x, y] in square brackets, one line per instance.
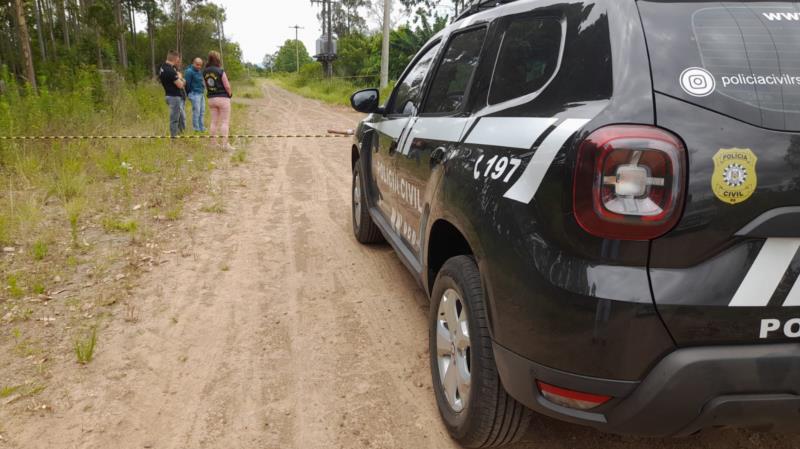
[357, 200]
[453, 350]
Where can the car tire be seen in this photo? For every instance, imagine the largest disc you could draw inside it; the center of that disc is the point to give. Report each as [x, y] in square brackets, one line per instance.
[486, 416]
[365, 230]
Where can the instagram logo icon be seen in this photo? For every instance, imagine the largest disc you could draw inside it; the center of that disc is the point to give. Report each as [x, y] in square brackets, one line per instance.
[698, 82]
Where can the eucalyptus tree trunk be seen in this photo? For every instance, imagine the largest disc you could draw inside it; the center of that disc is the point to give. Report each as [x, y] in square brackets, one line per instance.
[25, 43]
[62, 18]
[38, 16]
[132, 18]
[47, 10]
[122, 47]
[151, 34]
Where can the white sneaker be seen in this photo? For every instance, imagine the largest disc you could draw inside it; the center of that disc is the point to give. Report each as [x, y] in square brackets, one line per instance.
[228, 147]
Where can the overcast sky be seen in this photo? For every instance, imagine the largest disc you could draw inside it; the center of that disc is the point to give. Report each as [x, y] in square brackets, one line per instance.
[260, 27]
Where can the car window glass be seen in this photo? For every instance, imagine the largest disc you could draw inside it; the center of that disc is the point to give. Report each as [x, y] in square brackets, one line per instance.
[455, 72]
[408, 92]
[527, 58]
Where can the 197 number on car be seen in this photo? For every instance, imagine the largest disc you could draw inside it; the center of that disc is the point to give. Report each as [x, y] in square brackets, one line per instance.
[496, 167]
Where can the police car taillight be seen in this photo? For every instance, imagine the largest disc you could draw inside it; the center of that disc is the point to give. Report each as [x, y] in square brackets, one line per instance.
[629, 182]
[571, 398]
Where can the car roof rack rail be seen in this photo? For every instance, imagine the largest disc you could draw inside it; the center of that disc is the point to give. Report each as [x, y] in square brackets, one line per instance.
[476, 6]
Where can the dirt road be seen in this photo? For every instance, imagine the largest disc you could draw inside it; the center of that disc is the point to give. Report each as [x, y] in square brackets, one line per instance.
[268, 326]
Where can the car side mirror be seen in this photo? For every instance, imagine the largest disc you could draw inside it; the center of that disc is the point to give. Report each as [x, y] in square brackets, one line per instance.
[366, 101]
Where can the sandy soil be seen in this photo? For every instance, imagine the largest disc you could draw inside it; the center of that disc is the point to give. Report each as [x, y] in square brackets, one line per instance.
[270, 327]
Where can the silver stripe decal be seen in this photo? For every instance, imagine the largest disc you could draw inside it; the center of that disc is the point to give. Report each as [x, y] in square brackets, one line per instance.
[444, 129]
[793, 299]
[528, 183]
[794, 296]
[391, 127]
[510, 132]
[766, 273]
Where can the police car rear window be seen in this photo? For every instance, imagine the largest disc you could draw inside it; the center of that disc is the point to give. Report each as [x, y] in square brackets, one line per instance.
[738, 58]
[528, 57]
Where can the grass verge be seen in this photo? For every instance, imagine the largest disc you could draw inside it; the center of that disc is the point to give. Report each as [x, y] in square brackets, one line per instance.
[81, 220]
[332, 91]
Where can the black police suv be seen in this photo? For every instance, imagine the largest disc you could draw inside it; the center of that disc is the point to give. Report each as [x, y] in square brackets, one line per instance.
[602, 198]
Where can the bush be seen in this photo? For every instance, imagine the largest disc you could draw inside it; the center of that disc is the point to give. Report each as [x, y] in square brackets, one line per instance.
[333, 90]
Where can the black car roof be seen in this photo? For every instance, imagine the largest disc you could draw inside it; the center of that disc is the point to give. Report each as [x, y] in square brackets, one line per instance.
[476, 6]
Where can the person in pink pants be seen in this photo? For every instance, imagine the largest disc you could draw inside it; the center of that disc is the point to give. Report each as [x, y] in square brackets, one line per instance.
[219, 93]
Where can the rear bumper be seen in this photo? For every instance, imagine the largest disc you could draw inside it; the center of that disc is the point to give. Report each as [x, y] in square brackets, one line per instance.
[687, 391]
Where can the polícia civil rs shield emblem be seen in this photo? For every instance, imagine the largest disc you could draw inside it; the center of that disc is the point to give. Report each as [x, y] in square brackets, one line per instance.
[734, 179]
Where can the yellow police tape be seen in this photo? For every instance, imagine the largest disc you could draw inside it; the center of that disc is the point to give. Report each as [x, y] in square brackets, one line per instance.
[190, 137]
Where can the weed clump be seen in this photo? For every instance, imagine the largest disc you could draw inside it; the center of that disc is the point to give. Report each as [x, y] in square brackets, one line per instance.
[39, 250]
[84, 347]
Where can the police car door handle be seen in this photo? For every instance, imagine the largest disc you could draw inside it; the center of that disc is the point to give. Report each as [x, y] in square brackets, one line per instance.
[437, 156]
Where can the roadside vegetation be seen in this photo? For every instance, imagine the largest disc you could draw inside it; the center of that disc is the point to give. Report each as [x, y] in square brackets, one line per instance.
[358, 61]
[80, 220]
[310, 83]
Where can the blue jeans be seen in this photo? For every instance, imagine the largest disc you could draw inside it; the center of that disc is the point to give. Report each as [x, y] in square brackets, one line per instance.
[198, 100]
[177, 115]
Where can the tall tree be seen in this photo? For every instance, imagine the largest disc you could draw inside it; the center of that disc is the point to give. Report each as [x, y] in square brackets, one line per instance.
[122, 46]
[150, 7]
[285, 60]
[40, 37]
[62, 18]
[25, 43]
[105, 33]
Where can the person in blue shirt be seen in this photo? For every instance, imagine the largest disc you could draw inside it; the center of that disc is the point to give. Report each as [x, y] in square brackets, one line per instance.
[195, 90]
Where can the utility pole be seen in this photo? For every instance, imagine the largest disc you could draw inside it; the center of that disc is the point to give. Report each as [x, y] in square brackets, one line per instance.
[327, 53]
[178, 26]
[387, 26]
[297, 46]
[329, 49]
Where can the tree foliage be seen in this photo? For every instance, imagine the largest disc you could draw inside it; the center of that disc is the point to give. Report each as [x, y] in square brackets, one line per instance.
[359, 53]
[347, 18]
[286, 58]
[67, 34]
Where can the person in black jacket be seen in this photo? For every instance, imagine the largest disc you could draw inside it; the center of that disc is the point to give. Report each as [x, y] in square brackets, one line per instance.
[173, 83]
[219, 94]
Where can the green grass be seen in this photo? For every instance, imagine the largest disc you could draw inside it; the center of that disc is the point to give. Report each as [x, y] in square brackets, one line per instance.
[21, 390]
[38, 287]
[249, 88]
[57, 193]
[60, 191]
[239, 156]
[174, 213]
[8, 391]
[333, 91]
[39, 250]
[15, 290]
[214, 207]
[84, 347]
[117, 225]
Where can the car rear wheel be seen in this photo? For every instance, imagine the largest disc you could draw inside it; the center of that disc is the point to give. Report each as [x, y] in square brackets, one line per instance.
[364, 228]
[472, 402]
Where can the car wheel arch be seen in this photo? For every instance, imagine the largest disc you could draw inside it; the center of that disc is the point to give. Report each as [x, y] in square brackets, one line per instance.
[445, 241]
[354, 157]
